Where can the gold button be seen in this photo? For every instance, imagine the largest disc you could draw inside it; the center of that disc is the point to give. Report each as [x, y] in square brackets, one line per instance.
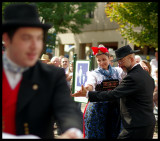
[26, 129]
[26, 132]
[35, 87]
[25, 124]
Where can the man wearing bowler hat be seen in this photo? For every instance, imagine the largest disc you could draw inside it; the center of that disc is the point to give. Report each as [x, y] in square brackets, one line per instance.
[136, 97]
[34, 94]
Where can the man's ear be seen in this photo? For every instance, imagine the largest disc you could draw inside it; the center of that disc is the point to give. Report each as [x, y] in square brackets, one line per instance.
[5, 39]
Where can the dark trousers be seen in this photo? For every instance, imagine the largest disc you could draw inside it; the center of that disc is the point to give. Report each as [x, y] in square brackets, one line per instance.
[145, 132]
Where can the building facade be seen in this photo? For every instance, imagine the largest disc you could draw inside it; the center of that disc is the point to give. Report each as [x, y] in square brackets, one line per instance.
[100, 31]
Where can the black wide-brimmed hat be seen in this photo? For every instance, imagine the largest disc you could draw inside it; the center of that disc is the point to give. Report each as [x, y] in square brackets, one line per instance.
[123, 51]
[22, 15]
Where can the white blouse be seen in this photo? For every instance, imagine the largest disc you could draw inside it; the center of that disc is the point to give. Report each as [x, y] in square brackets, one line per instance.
[94, 77]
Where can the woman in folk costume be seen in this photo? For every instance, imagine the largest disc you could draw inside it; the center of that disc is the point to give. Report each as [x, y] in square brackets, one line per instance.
[102, 119]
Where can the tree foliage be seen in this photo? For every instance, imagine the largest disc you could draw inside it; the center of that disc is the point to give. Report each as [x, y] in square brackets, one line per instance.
[66, 16]
[63, 16]
[138, 21]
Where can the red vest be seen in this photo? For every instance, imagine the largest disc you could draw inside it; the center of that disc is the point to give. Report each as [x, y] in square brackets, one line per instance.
[9, 101]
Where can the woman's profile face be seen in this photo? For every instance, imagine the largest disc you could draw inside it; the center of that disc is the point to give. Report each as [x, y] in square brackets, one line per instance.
[103, 61]
[144, 66]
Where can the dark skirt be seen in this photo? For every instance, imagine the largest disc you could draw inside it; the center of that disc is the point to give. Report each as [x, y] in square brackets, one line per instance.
[102, 120]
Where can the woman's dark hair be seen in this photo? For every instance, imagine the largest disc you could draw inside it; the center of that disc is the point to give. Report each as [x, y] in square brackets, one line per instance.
[148, 65]
[107, 54]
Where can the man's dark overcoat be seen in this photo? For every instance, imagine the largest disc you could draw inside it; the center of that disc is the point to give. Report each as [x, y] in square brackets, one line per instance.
[44, 97]
[136, 98]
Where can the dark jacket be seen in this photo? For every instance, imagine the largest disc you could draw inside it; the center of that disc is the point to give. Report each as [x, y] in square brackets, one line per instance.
[136, 98]
[43, 98]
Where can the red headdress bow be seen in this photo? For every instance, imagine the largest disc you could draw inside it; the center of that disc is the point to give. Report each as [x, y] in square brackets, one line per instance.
[100, 48]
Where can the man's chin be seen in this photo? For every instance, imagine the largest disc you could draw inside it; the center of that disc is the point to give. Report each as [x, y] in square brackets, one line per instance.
[30, 64]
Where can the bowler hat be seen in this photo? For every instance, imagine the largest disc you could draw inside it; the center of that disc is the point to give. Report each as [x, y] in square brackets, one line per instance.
[45, 57]
[22, 15]
[123, 51]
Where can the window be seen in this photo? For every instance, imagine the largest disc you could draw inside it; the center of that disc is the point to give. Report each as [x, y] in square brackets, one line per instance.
[90, 15]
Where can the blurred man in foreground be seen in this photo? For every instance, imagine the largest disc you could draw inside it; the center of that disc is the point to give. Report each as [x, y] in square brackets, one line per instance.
[34, 94]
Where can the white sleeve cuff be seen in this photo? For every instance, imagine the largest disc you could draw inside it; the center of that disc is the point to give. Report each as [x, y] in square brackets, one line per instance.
[77, 132]
[87, 94]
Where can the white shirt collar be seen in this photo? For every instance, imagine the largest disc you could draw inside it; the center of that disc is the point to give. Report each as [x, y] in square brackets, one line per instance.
[11, 66]
[135, 65]
[13, 76]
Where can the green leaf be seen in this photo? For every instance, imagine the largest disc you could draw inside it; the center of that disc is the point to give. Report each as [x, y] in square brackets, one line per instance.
[130, 15]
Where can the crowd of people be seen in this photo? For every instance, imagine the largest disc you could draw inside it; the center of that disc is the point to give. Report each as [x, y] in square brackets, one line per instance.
[62, 62]
[36, 92]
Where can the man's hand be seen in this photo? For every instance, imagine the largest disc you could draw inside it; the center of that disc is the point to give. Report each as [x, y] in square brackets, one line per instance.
[71, 134]
[81, 93]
